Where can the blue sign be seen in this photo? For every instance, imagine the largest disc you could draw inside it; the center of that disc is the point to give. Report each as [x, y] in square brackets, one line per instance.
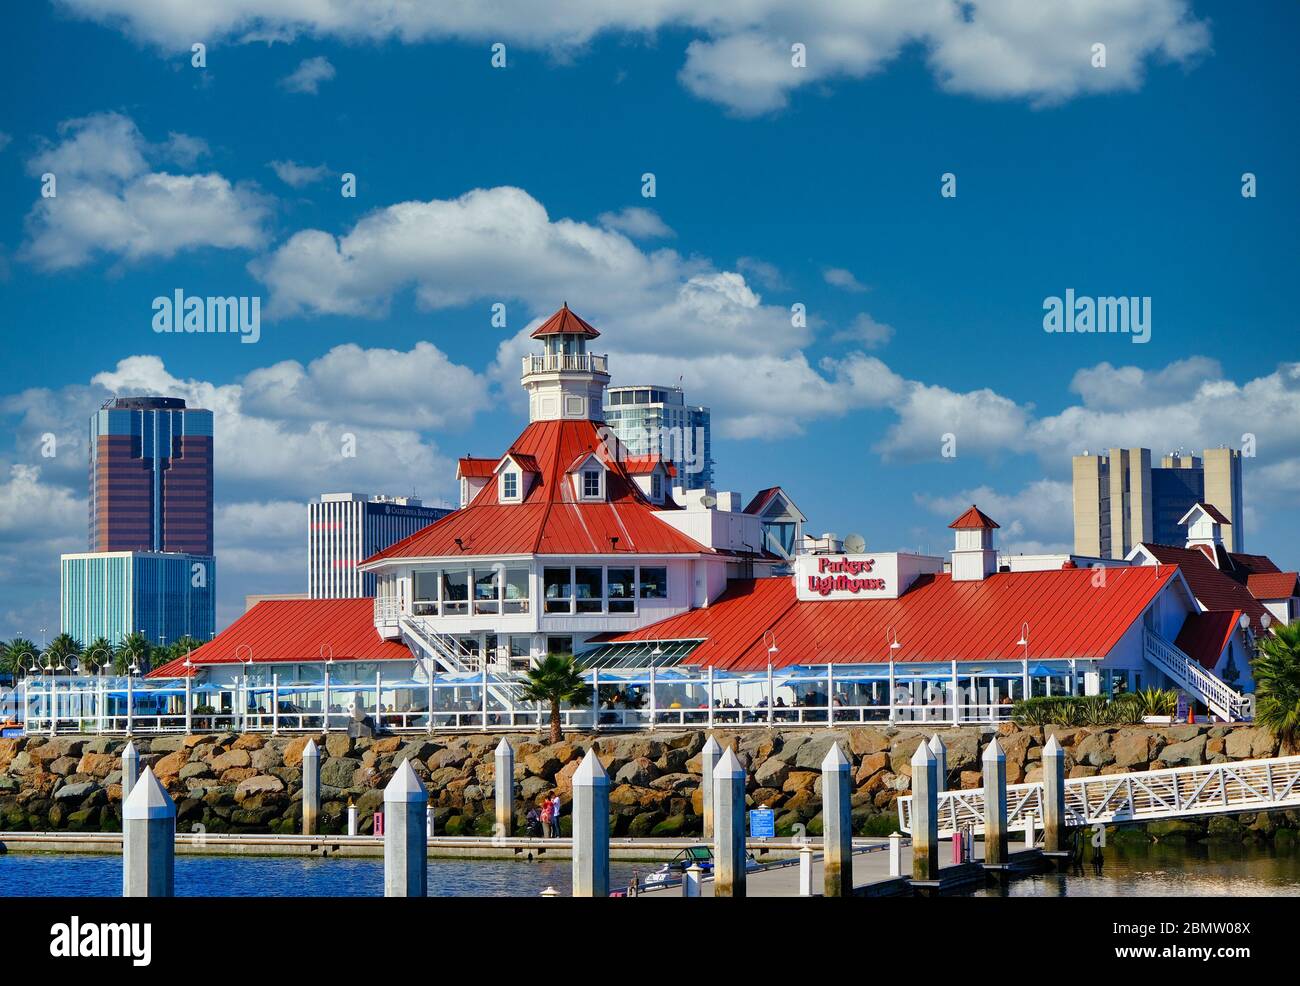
[1181, 714]
[762, 823]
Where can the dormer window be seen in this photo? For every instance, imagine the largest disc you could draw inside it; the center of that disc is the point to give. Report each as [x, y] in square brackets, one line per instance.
[591, 484]
[510, 486]
[656, 487]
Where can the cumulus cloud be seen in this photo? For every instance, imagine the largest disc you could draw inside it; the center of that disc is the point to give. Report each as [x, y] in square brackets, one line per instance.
[838, 277]
[1034, 519]
[866, 332]
[5, 140]
[740, 55]
[109, 202]
[308, 76]
[636, 222]
[297, 175]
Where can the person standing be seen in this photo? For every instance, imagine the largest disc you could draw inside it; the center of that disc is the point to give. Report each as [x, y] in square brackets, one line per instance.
[546, 817]
[555, 815]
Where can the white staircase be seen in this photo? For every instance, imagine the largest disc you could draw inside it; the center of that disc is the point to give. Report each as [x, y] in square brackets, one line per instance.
[1219, 697]
[453, 657]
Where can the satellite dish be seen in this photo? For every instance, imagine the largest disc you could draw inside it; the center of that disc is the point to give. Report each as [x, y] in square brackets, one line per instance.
[855, 544]
[709, 501]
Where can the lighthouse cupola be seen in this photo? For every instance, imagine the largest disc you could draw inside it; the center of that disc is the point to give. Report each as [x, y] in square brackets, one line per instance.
[565, 381]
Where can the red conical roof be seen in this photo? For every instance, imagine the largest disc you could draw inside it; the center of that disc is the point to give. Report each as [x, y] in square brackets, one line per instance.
[564, 322]
[974, 517]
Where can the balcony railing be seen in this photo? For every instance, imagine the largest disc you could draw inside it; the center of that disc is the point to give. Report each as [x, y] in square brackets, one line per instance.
[556, 362]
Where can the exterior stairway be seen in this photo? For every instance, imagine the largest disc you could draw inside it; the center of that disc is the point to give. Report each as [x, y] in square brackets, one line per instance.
[453, 658]
[1219, 697]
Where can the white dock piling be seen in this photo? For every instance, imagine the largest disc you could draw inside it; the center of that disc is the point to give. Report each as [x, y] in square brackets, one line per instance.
[708, 761]
[590, 828]
[941, 761]
[406, 865]
[925, 814]
[504, 785]
[130, 769]
[1053, 796]
[837, 823]
[805, 870]
[691, 880]
[148, 840]
[729, 827]
[896, 854]
[995, 803]
[310, 787]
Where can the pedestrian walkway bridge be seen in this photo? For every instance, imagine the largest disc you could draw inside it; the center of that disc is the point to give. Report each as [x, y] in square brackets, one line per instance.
[1176, 792]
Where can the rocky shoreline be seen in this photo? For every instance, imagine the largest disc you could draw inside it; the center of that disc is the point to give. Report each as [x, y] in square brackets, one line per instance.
[252, 783]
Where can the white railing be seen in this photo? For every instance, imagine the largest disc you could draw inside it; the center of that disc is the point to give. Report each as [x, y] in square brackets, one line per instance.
[1220, 697]
[455, 657]
[555, 362]
[1247, 785]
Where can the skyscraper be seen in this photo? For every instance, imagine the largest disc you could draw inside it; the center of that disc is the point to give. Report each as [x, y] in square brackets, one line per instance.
[344, 529]
[1120, 499]
[151, 476]
[150, 565]
[657, 420]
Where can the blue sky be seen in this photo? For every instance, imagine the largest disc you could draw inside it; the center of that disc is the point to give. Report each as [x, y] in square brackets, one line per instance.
[479, 185]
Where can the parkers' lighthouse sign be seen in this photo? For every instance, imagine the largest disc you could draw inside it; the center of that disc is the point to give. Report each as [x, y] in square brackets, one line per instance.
[883, 575]
[844, 575]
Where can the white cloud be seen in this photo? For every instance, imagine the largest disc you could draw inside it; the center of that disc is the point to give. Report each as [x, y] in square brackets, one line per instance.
[5, 140]
[982, 421]
[1038, 514]
[109, 202]
[866, 332]
[739, 54]
[761, 272]
[838, 277]
[636, 222]
[297, 175]
[308, 76]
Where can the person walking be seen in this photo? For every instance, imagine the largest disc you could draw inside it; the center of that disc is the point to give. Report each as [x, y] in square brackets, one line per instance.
[555, 814]
[546, 817]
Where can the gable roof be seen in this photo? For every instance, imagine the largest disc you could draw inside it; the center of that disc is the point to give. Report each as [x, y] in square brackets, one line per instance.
[1214, 589]
[474, 467]
[564, 322]
[1210, 511]
[1204, 635]
[973, 518]
[278, 630]
[549, 519]
[1273, 585]
[935, 620]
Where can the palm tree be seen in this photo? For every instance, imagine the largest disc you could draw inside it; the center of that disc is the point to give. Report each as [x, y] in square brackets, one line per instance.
[557, 679]
[181, 647]
[1276, 670]
[16, 656]
[98, 653]
[134, 649]
[63, 647]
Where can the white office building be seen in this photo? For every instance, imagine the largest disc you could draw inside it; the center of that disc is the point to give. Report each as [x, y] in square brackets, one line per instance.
[344, 529]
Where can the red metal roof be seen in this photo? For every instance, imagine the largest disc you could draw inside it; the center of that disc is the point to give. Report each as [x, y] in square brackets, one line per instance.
[1273, 585]
[1214, 589]
[761, 499]
[564, 322]
[549, 520]
[1069, 616]
[974, 518]
[473, 467]
[639, 465]
[174, 668]
[278, 630]
[1204, 635]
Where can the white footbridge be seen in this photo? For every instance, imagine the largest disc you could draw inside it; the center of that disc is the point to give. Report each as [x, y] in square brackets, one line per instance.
[1141, 796]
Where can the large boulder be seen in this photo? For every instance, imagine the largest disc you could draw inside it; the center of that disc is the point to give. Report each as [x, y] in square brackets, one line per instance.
[260, 784]
[166, 744]
[63, 766]
[231, 758]
[812, 753]
[1133, 748]
[338, 771]
[900, 753]
[1187, 753]
[74, 792]
[1249, 743]
[867, 741]
[1095, 750]
[171, 763]
[639, 772]
[97, 764]
[771, 773]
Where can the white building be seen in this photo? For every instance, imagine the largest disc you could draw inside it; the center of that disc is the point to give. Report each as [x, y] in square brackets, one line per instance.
[344, 529]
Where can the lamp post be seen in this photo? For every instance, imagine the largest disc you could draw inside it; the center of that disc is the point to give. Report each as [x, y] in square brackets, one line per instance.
[247, 666]
[772, 651]
[1024, 660]
[329, 663]
[891, 649]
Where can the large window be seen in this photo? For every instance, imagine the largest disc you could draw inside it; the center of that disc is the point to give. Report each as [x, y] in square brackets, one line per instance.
[515, 591]
[591, 484]
[590, 589]
[487, 598]
[455, 593]
[654, 583]
[425, 602]
[557, 586]
[622, 590]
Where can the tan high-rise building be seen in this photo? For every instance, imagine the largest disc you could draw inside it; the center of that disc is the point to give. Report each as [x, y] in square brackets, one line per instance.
[1121, 500]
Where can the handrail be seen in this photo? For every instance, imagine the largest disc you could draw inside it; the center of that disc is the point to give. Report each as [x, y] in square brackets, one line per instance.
[552, 362]
[1216, 693]
[1173, 792]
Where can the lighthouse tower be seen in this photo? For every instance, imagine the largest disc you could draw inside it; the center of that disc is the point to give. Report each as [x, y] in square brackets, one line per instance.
[565, 382]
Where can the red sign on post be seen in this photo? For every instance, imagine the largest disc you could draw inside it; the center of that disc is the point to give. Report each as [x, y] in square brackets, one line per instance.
[379, 823]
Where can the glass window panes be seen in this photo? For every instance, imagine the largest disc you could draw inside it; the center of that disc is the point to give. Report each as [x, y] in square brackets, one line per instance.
[589, 589]
[486, 591]
[654, 583]
[591, 482]
[510, 486]
[516, 590]
[425, 602]
[557, 587]
[622, 590]
[455, 592]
